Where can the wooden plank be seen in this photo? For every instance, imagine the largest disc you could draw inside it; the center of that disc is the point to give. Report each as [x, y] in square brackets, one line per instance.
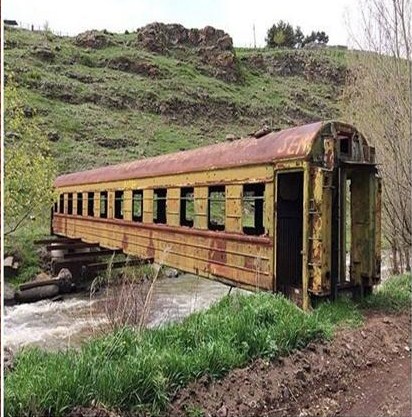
[93, 254]
[56, 240]
[72, 246]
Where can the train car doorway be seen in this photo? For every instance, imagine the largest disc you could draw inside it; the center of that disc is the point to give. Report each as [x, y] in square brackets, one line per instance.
[289, 232]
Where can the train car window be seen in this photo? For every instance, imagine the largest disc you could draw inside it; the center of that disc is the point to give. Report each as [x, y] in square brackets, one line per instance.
[103, 204]
[79, 204]
[90, 204]
[70, 203]
[216, 208]
[137, 208]
[253, 208]
[61, 204]
[187, 206]
[118, 204]
[159, 205]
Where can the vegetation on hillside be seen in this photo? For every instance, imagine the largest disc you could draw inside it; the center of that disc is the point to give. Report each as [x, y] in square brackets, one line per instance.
[115, 101]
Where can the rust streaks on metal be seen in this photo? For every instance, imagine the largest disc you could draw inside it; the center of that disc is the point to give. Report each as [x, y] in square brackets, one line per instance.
[295, 142]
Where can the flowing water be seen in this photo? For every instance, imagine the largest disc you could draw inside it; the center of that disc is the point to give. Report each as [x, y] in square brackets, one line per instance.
[57, 325]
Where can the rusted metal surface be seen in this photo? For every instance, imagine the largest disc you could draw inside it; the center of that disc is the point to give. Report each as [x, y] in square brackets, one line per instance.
[290, 143]
[198, 251]
[325, 155]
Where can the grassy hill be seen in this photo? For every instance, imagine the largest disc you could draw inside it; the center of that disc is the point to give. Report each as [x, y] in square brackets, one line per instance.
[105, 98]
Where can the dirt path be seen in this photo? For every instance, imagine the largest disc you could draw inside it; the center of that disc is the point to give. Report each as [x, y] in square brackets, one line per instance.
[362, 372]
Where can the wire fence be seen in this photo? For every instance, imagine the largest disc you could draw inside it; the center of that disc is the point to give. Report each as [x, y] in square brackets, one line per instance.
[35, 27]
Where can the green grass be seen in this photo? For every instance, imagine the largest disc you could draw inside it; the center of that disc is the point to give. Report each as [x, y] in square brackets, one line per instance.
[21, 246]
[87, 102]
[129, 370]
[393, 295]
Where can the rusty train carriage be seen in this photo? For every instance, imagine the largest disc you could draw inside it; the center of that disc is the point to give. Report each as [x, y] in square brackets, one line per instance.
[315, 193]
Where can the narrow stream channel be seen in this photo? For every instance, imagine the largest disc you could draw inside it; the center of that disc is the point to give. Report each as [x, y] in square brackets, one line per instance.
[68, 323]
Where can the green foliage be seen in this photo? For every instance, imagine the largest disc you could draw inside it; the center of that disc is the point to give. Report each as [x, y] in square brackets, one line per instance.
[393, 295]
[129, 370]
[320, 38]
[21, 245]
[281, 35]
[28, 166]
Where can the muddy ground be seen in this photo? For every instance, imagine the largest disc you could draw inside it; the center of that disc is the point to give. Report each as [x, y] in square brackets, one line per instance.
[362, 372]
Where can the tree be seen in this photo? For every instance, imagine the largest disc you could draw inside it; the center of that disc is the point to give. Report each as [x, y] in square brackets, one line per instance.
[299, 37]
[320, 38]
[28, 166]
[281, 35]
[377, 99]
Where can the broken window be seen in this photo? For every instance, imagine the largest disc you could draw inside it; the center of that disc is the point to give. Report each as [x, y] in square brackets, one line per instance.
[216, 208]
[159, 205]
[79, 204]
[61, 204]
[90, 204]
[70, 203]
[118, 204]
[252, 209]
[137, 208]
[103, 204]
[187, 206]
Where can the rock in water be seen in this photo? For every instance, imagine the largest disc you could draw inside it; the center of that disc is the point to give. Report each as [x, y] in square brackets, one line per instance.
[9, 292]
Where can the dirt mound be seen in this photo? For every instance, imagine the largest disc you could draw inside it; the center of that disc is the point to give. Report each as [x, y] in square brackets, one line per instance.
[213, 47]
[94, 39]
[321, 380]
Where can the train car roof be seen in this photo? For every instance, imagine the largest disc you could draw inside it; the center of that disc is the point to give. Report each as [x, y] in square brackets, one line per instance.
[292, 143]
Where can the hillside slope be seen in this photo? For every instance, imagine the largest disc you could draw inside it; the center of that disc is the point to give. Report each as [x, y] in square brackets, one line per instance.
[104, 98]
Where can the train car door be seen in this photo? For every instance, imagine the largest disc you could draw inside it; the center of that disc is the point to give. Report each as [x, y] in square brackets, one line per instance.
[289, 232]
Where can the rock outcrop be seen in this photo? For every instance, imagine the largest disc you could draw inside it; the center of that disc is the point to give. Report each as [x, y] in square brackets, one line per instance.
[213, 47]
[93, 39]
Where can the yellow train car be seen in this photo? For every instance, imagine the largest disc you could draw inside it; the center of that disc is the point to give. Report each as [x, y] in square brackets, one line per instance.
[295, 211]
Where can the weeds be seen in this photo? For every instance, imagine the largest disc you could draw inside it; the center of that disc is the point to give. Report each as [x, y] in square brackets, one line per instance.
[393, 295]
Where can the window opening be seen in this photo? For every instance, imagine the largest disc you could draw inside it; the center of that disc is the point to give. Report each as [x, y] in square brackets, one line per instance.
[159, 205]
[216, 208]
[253, 208]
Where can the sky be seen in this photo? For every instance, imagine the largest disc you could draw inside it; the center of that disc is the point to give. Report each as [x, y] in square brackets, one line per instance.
[235, 17]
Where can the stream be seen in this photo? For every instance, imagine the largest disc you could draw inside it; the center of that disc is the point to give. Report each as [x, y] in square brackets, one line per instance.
[68, 323]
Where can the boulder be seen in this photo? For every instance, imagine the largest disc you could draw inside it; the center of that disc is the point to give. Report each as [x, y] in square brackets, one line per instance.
[9, 293]
[53, 136]
[65, 278]
[93, 39]
[8, 357]
[43, 52]
[171, 273]
[11, 267]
